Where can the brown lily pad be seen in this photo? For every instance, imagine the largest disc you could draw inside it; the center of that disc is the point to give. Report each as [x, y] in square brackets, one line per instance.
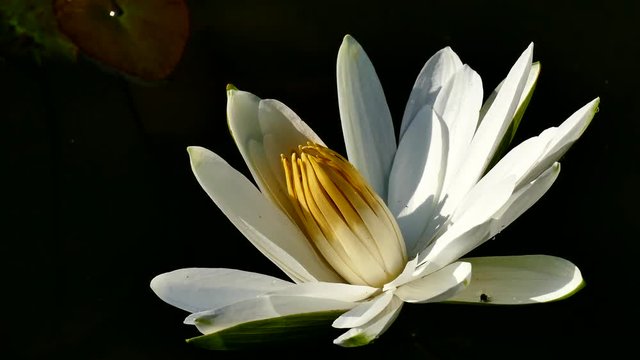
[142, 38]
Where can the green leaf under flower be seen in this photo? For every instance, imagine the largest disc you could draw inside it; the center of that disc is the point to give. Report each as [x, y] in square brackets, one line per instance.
[284, 330]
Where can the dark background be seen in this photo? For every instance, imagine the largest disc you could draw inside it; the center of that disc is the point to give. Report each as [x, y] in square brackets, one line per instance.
[98, 196]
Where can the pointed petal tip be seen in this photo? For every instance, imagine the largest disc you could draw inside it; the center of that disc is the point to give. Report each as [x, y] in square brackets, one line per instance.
[349, 46]
[190, 320]
[196, 154]
[447, 51]
[535, 66]
[527, 54]
[348, 39]
[592, 108]
[353, 338]
[230, 88]
[529, 49]
[231, 91]
[194, 151]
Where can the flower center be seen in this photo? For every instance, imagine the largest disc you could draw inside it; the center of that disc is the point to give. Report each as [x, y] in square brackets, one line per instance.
[343, 217]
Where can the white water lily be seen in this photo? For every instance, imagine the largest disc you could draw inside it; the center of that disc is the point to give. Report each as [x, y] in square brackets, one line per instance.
[359, 238]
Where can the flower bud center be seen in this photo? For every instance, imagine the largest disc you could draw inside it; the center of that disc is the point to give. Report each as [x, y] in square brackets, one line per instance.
[343, 217]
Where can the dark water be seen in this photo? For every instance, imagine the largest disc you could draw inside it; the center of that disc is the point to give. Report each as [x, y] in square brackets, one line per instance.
[98, 195]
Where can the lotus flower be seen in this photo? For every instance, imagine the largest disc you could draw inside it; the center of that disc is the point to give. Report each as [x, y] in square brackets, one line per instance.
[358, 238]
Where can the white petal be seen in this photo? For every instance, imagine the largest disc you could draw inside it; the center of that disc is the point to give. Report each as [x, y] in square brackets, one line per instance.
[279, 120]
[408, 274]
[478, 207]
[435, 73]
[282, 131]
[471, 226]
[516, 163]
[520, 280]
[417, 174]
[458, 104]
[437, 286]
[250, 118]
[336, 291]
[264, 129]
[532, 79]
[523, 199]
[498, 185]
[366, 121]
[414, 270]
[479, 223]
[372, 330]
[563, 137]
[259, 308]
[451, 246]
[242, 113]
[490, 132]
[242, 116]
[199, 289]
[364, 312]
[259, 220]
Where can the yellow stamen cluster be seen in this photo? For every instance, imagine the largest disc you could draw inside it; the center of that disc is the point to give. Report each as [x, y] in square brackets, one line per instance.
[343, 217]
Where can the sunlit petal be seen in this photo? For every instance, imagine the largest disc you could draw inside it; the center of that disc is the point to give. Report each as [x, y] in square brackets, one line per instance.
[523, 199]
[478, 208]
[437, 286]
[520, 280]
[200, 289]
[452, 245]
[490, 132]
[264, 129]
[370, 331]
[417, 174]
[263, 223]
[563, 137]
[436, 72]
[325, 290]
[458, 104]
[366, 121]
[529, 86]
[364, 312]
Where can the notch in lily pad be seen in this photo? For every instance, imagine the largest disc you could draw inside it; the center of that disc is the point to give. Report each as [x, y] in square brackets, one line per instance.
[141, 38]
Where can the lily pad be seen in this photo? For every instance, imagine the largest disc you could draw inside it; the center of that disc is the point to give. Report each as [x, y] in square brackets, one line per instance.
[142, 38]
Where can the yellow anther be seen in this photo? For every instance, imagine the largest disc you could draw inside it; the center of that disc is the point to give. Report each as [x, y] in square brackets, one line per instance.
[342, 216]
